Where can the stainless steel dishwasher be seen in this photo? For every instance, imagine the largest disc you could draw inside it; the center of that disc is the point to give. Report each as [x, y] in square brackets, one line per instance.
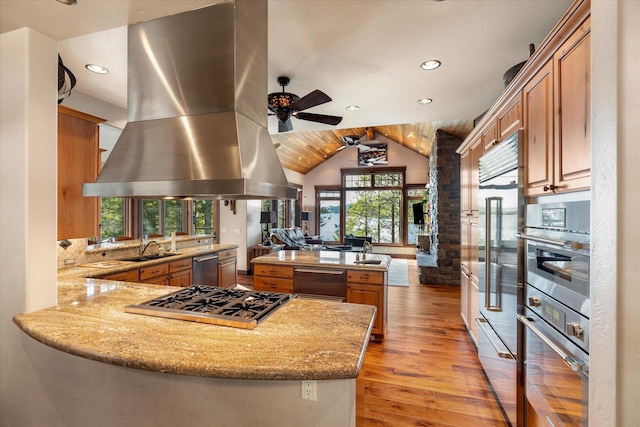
[205, 270]
[320, 283]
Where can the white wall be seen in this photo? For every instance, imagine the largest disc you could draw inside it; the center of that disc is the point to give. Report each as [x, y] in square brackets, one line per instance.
[28, 219]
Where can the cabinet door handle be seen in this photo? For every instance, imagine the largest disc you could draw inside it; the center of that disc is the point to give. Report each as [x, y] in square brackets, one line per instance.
[549, 187]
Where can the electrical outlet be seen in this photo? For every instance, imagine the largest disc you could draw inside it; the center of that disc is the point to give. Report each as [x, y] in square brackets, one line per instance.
[69, 261]
[310, 390]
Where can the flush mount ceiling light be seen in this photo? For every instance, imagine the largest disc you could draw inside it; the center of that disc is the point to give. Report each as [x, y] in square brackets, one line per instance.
[425, 101]
[352, 108]
[68, 2]
[98, 69]
[431, 64]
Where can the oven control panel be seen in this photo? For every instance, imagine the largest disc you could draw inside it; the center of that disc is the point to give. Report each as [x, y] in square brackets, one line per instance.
[565, 320]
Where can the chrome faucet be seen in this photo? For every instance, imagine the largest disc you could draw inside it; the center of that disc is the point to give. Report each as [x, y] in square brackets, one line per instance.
[366, 247]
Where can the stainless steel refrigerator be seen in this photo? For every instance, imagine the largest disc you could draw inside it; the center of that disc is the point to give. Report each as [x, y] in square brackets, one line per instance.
[501, 206]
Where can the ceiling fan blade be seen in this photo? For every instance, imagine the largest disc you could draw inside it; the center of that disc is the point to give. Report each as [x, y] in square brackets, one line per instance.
[320, 118]
[285, 126]
[312, 99]
[342, 147]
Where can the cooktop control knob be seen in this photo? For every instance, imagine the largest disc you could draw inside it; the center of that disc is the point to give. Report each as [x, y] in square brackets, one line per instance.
[574, 329]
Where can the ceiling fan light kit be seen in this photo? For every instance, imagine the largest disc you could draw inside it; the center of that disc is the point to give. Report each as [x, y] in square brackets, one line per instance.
[284, 105]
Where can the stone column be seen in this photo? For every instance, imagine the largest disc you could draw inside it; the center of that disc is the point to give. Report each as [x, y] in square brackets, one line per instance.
[444, 200]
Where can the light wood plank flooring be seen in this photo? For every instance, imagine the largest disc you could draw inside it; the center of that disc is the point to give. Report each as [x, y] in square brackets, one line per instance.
[426, 371]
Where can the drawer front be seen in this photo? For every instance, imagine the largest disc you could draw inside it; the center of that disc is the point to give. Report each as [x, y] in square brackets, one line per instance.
[273, 271]
[231, 253]
[370, 277]
[125, 276]
[182, 264]
[154, 271]
[273, 284]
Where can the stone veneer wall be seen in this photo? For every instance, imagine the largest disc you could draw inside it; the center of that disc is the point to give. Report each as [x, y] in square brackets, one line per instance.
[444, 201]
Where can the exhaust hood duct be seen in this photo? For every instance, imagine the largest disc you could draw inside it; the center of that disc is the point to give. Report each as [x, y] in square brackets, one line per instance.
[197, 120]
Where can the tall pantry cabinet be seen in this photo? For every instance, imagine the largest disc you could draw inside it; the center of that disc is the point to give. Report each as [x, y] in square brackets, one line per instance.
[78, 162]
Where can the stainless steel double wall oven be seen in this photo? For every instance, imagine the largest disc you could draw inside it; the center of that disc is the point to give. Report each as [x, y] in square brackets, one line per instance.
[556, 310]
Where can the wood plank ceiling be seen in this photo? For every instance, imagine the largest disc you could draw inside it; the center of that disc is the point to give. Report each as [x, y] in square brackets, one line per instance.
[303, 151]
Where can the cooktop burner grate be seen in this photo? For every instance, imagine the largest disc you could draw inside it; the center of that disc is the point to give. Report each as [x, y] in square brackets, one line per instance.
[211, 304]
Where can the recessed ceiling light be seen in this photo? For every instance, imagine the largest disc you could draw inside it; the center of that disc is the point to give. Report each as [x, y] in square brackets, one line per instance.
[352, 108]
[425, 101]
[431, 64]
[98, 69]
[68, 2]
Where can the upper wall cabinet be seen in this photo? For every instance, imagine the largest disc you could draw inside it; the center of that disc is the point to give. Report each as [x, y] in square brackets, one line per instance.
[78, 162]
[557, 120]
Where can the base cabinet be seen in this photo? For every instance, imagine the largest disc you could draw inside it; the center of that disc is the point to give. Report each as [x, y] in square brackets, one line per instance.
[272, 278]
[175, 273]
[371, 295]
[364, 287]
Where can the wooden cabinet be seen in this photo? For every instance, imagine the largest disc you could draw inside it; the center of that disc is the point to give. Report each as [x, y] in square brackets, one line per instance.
[372, 295]
[510, 118]
[125, 276]
[469, 273]
[155, 274]
[572, 107]
[227, 262]
[272, 278]
[369, 287]
[490, 136]
[469, 179]
[175, 273]
[538, 117]
[181, 272]
[557, 120]
[78, 162]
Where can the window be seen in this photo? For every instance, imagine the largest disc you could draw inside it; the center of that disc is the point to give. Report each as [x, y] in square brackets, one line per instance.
[111, 217]
[329, 202]
[161, 216]
[373, 205]
[204, 212]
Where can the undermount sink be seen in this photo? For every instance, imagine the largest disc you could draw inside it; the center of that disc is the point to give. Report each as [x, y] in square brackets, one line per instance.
[148, 257]
[367, 261]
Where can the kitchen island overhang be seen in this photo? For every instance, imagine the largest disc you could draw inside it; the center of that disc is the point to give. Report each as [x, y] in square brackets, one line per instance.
[305, 339]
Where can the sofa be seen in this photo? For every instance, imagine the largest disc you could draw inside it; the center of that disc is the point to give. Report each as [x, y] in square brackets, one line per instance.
[294, 239]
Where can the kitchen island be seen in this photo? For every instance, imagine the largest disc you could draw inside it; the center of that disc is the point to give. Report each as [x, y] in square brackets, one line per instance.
[227, 375]
[344, 276]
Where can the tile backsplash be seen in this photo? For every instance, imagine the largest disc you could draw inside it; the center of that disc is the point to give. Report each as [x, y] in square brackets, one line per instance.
[78, 252]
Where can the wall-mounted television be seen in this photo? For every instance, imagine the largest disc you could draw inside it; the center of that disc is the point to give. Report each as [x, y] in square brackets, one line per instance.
[372, 154]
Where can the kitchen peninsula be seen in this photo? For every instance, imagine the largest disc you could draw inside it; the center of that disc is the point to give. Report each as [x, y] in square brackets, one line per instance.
[233, 376]
[343, 276]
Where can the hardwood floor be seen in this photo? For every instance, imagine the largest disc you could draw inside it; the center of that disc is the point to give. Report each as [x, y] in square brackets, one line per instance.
[426, 371]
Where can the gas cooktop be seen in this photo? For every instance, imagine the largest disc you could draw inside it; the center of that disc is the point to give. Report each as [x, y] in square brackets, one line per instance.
[211, 304]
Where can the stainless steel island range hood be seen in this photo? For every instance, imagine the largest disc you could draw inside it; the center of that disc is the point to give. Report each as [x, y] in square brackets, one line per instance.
[197, 119]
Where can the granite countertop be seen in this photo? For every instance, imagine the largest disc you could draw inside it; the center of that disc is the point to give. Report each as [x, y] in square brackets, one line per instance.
[325, 259]
[110, 266]
[304, 339]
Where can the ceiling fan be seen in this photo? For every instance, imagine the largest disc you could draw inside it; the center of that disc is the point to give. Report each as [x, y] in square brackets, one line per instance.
[284, 105]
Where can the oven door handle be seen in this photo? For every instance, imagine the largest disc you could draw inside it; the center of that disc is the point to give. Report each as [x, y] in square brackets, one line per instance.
[501, 353]
[574, 364]
[567, 244]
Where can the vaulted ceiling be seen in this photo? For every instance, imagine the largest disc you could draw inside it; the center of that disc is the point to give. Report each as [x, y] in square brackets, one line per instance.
[303, 151]
[363, 53]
